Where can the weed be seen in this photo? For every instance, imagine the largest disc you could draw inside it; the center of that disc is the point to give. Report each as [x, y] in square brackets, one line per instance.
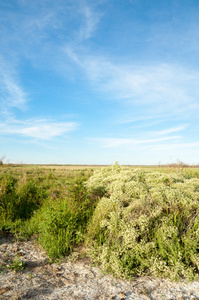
[30, 275]
[1, 268]
[17, 265]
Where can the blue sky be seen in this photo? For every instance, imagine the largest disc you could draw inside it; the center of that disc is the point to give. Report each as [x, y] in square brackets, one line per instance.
[94, 82]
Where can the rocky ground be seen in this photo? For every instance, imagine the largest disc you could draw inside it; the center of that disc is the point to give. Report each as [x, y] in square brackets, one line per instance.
[25, 273]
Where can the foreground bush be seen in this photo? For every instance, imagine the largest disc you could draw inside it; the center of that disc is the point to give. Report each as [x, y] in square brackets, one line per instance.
[61, 223]
[145, 223]
[19, 198]
[53, 206]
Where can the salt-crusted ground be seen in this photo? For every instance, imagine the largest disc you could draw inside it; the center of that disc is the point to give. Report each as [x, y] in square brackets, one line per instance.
[74, 280]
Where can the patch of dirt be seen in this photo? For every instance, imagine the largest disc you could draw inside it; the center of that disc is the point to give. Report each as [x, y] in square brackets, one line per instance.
[25, 273]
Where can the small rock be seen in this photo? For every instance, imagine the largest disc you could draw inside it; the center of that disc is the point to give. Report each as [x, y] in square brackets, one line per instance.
[4, 290]
[57, 269]
[112, 297]
[181, 298]
[44, 261]
[122, 295]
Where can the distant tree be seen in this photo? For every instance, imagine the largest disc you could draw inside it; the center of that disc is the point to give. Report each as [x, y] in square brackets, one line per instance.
[2, 159]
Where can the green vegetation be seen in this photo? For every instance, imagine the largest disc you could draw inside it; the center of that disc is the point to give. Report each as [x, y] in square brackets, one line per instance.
[52, 205]
[16, 264]
[147, 223]
[134, 221]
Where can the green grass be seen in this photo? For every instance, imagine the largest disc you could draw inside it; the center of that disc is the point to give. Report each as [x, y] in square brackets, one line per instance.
[134, 221]
[52, 205]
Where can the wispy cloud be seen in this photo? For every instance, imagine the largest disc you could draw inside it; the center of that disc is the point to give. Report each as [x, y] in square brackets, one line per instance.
[39, 129]
[149, 138]
[175, 146]
[166, 86]
[170, 130]
[136, 119]
[12, 93]
[90, 20]
[116, 142]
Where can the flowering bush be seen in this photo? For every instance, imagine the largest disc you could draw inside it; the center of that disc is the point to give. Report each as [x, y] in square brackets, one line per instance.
[145, 223]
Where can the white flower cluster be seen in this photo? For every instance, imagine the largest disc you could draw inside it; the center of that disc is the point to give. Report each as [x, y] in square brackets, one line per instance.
[145, 217]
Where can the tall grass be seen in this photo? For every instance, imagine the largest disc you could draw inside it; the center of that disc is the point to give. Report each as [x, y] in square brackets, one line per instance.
[55, 207]
[19, 198]
[62, 223]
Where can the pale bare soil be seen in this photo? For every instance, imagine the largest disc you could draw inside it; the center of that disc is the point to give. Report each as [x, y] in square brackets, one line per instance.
[74, 280]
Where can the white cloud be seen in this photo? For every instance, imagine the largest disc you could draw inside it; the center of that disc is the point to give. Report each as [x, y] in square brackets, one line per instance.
[91, 19]
[12, 92]
[116, 142]
[164, 85]
[176, 146]
[150, 138]
[167, 131]
[40, 129]
[131, 119]
[167, 88]
[159, 87]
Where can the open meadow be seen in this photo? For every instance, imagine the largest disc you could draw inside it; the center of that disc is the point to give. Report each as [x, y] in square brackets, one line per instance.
[132, 221]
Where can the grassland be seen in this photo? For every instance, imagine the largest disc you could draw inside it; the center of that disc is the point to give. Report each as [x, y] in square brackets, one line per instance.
[133, 220]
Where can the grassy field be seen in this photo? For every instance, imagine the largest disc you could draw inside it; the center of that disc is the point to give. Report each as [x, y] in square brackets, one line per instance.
[132, 220]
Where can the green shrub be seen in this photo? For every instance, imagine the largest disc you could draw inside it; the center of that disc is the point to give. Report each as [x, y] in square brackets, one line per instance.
[62, 223]
[146, 223]
[19, 197]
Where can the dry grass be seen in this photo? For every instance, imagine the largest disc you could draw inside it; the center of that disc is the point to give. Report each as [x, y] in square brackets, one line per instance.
[54, 167]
